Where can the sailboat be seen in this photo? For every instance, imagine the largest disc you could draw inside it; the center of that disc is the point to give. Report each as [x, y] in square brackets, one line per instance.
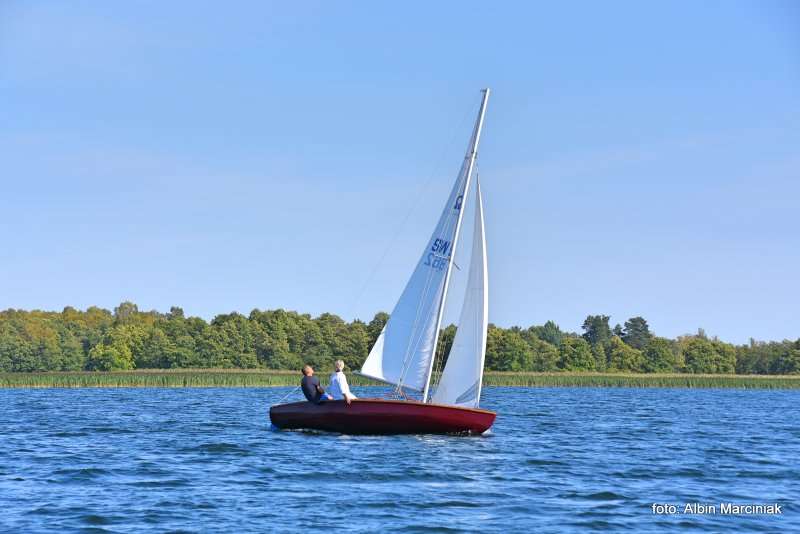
[404, 353]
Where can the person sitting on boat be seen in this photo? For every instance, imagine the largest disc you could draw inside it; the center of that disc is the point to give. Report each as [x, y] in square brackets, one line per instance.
[311, 388]
[339, 388]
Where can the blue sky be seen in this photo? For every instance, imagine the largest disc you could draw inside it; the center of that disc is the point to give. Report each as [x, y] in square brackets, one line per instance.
[639, 158]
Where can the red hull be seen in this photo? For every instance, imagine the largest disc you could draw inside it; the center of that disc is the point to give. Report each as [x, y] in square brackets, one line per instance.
[375, 416]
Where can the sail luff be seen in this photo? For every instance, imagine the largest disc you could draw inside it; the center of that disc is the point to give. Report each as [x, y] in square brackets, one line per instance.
[472, 154]
[483, 331]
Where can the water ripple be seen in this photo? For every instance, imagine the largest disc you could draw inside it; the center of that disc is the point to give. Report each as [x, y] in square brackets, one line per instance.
[557, 460]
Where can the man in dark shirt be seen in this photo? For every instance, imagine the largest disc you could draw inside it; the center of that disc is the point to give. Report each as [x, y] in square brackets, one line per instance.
[311, 388]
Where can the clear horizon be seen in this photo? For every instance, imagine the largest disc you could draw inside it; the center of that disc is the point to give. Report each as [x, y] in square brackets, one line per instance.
[637, 160]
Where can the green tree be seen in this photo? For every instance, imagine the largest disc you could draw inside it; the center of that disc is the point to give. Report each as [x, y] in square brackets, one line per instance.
[72, 356]
[99, 339]
[699, 355]
[726, 357]
[16, 353]
[114, 357]
[125, 312]
[702, 355]
[356, 345]
[44, 339]
[659, 357]
[575, 354]
[549, 332]
[209, 348]
[507, 351]
[789, 361]
[273, 349]
[622, 357]
[184, 353]
[130, 335]
[761, 358]
[334, 332]
[156, 351]
[596, 329]
[314, 350]
[600, 354]
[544, 356]
[637, 333]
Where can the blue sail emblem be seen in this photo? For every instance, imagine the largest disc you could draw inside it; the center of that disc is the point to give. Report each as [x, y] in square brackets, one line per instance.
[459, 200]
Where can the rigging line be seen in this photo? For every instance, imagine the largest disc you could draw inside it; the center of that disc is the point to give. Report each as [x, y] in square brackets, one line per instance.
[415, 203]
[288, 395]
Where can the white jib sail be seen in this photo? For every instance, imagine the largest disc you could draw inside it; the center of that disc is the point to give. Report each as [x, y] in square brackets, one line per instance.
[403, 353]
[460, 384]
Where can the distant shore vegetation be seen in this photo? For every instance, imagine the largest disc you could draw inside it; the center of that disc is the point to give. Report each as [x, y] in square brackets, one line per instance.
[126, 339]
[220, 378]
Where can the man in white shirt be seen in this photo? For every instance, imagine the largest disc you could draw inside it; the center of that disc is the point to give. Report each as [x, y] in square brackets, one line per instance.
[339, 388]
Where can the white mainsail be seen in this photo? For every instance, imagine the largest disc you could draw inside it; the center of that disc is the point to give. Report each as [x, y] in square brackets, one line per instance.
[460, 384]
[403, 353]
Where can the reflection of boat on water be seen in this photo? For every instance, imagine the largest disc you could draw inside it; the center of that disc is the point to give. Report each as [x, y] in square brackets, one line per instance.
[404, 353]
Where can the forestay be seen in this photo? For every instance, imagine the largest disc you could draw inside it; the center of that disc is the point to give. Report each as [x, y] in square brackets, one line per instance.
[460, 384]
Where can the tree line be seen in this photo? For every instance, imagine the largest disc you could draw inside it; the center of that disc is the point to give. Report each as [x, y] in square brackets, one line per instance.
[101, 340]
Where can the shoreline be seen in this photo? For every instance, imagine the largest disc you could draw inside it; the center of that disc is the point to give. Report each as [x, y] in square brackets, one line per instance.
[189, 378]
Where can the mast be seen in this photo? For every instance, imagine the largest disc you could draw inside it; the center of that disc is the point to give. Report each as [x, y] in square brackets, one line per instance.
[472, 153]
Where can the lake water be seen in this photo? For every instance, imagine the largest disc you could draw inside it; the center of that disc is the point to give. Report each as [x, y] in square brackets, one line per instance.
[570, 459]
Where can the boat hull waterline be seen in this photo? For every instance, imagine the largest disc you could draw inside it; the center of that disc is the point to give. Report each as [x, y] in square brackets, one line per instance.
[378, 416]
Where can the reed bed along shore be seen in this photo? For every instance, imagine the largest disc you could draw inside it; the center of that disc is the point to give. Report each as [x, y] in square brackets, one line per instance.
[642, 380]
[183, 378]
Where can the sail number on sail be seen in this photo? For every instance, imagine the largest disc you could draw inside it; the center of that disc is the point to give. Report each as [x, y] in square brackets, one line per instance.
[439, 254]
